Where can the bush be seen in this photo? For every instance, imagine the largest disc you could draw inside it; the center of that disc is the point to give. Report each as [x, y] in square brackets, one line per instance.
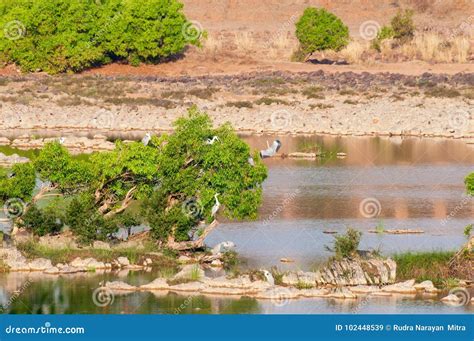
[346, 245]
[84, 221]
[403, 26]
[318, 30]
[72, 35]
[19, 182]
[469, 181]
[42, 222]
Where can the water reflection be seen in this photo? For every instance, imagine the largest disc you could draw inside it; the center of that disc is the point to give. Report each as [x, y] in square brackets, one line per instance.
[73, 295]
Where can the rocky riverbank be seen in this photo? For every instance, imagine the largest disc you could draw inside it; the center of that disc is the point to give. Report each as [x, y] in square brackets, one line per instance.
[344, 103]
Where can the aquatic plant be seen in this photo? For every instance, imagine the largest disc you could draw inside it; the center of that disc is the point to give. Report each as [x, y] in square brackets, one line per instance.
[346, 245]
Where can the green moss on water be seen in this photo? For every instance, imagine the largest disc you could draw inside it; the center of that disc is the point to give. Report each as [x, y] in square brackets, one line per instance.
[433, 266]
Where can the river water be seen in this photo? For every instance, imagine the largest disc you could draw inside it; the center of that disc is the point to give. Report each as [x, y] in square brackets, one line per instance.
[387, 182]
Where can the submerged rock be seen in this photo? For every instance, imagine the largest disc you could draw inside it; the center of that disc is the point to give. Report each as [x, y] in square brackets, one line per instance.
[157, 284]
[119, 285]
[406, 287]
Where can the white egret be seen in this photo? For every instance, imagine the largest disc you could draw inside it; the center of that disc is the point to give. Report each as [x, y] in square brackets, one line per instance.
[62, 140]
[211, 141]
[146, 139]
[268, 277]
[216, 206]
[271, 150]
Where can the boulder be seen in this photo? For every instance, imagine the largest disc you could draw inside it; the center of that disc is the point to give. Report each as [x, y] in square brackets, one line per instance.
[223, 247]
[314, 292]
[119, 285]
[424, 285]
[123, 261]
[189, 271]
[342, 293]
[364, 289]
[157, 284]
[406, 287]
[451, 298]
[217, 263]
[40, 264]
[52, 271]
[190, 286]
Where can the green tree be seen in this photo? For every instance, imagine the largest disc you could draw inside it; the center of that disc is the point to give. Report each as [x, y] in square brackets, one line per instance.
[18, 182]
[318, 29]
[72, 35]
[193, 172]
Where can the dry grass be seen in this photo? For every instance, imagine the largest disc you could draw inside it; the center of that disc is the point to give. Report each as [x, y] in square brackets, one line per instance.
[434, 48]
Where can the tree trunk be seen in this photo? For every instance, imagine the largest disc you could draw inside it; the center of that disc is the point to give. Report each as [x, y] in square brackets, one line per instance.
[194, 244]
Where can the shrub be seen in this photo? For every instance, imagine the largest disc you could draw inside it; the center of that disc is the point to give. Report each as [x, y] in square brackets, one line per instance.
[41, 222]
[71, 35]
[403, 26]
[318, 29]
[469, 181]
[83, 219]
[19, 182]
[346, 245]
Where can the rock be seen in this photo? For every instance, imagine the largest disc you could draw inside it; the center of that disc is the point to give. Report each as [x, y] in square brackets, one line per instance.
[286, 260]
[314, 292]
[451, 299]
[364, 289]
[71, 270]
[119, 285]
[259, 286]
[242, 282]
[223, 247]
[157, 284]
[216, 263]
[191, 271]
[148, 261]
[424, 285]
[184, 259]
[40, 264]
[223, 291]
[101, 245]
[190, 286]
[88, 263]
[8, 161]
[4, 141]
[278, 294]
[52, 271]
[290, 279]
[406, 287]
[342, 293]
[123, 261]
[472, 300]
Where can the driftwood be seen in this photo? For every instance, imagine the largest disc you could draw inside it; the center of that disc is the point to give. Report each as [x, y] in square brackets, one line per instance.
[194, 244]
[398, 231]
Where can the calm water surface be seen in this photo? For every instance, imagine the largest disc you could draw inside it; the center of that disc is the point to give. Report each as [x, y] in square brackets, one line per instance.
[412, 183]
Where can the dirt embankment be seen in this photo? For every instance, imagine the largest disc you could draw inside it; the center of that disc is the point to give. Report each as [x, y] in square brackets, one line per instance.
[282, 102]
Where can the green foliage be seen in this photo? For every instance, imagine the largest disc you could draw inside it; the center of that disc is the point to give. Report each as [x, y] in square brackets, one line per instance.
[42, 221]
[346, 245]
[386, 32]
[19, 182]
[469, 181]
[403, 26]
[423, 266]
[318, 29]
[86, 222]
[192, 172]
[230, 260]
[468, 230]
[55, 164]
[71, 35]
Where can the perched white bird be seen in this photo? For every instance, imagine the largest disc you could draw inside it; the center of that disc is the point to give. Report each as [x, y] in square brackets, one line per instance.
[211, 141]
[268, 277]
[146, 139]
[271, 150]
[223, 247]
[62, 140]
[251, 161]
[216, 206]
